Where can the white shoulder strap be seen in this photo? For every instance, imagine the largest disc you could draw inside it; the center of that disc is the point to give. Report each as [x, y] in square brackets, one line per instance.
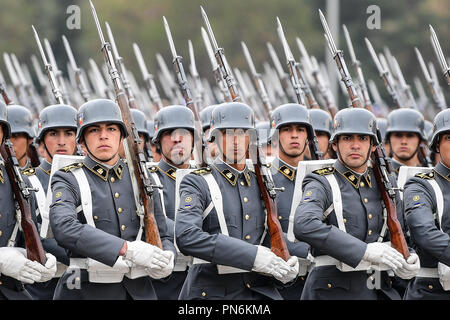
[337, 201]
[160, 191]
[216, 197]
[40, 194]
[439, 199]
[85, 195]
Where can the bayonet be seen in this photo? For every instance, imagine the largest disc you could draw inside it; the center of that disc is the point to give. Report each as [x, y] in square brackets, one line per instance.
[58, 72]
[200, 92]
[440, 55]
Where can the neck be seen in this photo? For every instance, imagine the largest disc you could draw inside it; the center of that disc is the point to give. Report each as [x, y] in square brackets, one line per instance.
[236, 166]
[413, 162]
[184, 165]
[292, 161]
[359, 170]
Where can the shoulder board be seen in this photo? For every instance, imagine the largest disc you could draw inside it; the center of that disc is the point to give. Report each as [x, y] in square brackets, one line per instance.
[426, 176]
[72, 166]
[202, 171]
[29, 172]
[324, 171]
[153, 169]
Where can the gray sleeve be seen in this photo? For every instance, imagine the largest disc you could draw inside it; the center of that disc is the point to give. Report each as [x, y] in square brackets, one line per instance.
[193, 240]
[310, 227]
[70, 232]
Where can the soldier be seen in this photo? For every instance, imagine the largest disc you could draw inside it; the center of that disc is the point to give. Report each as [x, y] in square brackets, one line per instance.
[57, 129]
[382, 125]
[427, 202]
[263, 132]
[15, 268]
[22, 133]
[291, 127]
[405, 133]
[174, 136]
[322, 124]
[349, 237]
[220, 220]
[94, 216]
[155, 152]
[210, 147]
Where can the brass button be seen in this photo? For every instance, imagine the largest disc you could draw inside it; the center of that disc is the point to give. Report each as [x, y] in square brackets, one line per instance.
[203, 294]
[119, 210]
[245, 199]
[362, 184]
[247, 217]
[280, 217]
[95, 218]
[302, 278]
[116, 195]
[370, 216]
[123, 227]
[247, 237]
[242, 183]
[370, 232]
[329, 285]
[1, 283]
[430, 287]
[0, 215]
[248, 285]
[345, 220]
[366, 200]
[113, 179]
[1, 233]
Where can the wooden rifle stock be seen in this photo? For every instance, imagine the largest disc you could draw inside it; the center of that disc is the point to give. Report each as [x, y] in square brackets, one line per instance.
[35, 250]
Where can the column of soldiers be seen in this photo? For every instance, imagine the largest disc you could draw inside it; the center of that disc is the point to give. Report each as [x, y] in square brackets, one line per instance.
[212, 220]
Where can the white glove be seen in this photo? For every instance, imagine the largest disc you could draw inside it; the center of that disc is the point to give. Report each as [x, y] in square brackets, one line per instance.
[166, 270]
[410, 267]
[293, 270]
[379, 253]
[49, 269]
[14, 264]
[146, 255]
[266, 262]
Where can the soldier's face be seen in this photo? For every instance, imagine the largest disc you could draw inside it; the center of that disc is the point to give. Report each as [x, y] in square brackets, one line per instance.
[59, 141]
[444, 149]
[323, 139]
[103, 141]
[21, 143]
[353, 151]
[234, 145]
[176, 145]
[293, 139]
[404, 144]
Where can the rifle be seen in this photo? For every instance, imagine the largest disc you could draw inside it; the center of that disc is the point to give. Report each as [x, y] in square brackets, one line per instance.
[172, 91]
[380, 164]
[148, 79]
[142, 185]
[316, 153]
[185, 90]
[265, 182]
[282, 76]
[199, 91]
[440, 55]
[58, 73]
[14, 80]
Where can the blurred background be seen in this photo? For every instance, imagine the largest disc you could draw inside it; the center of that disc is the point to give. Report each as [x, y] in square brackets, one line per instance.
[403, 25]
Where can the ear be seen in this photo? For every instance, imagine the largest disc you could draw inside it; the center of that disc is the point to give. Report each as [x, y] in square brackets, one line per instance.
[334, 146]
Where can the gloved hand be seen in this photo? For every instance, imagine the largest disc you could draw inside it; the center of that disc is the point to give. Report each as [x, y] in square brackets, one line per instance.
[165, 271]
[266, 262]
[410, 267]
[293, 270]
[145, 254]
[49, 269]
[378, 252]
[14, 264]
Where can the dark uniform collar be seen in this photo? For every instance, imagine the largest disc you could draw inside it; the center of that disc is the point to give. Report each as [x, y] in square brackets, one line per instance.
[167, 169]
[287, 170]
[396, 165]
[351, 176]
[230, 173]
[443, 171]
[46, 166]
[103, 171]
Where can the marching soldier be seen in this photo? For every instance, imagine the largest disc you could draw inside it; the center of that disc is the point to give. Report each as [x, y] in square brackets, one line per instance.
[22, 133]
[174, 137]
[347, 240]
[94, 216]
[210, 147]
[322, 124]
[405, 133]
[427, 202]
[15, 269]
[292, 128]
[57, 130]
[221, 220]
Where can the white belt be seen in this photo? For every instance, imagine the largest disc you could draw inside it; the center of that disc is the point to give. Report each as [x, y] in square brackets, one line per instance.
[362, 266]
[182, 262]
[60, 269]
[428, 273]
[220, 268]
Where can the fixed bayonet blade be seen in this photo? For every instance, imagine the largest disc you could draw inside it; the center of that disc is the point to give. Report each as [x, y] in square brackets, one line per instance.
[18, 69]
[193, 66]
[328, 35]
[170, 39]
[438, 50]
[12, 73]
[248, 58]
[209, 29]
[51, 57]
[304, 53]
[275, 59]
[374, 57]
[140, 60]
[423, 66]
[69, 53]
[112, 41]
[287, 50]
[97, 23]
[209, 48]
[349, 45]
[41, 49]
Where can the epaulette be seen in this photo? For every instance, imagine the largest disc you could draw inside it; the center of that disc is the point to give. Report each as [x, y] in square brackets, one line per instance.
[153, 169]
[202, 171]
[72, 166]
[426, 176]
[29, 172]
[324, 171]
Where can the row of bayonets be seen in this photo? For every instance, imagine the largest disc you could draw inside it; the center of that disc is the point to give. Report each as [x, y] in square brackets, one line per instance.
[304, 80]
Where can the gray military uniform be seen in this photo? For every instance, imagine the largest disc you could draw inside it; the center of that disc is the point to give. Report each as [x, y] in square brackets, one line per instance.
[115, 218]
[284, 176]
[430, 243]
[168, 289]
[202, 238]
[363, 219]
